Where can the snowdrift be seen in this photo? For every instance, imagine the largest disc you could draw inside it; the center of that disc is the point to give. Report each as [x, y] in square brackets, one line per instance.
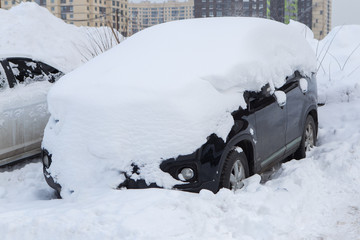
[338, 57]
[28, 30]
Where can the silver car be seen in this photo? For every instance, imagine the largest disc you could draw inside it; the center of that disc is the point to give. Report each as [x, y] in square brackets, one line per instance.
[24, 84]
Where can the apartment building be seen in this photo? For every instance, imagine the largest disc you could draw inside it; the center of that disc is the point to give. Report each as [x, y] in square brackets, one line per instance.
[220, 8]
[316, 14]
[143, 14]
[321, 18]
[94, 13]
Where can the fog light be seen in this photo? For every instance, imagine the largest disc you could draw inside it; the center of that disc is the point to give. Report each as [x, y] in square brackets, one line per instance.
[186, 174]
[46, 160]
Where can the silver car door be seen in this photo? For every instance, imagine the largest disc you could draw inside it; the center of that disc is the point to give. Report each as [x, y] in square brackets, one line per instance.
[31, 103]
[10, 136]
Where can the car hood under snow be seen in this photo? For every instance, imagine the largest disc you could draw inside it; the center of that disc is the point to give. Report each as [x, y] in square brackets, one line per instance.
[161, 93]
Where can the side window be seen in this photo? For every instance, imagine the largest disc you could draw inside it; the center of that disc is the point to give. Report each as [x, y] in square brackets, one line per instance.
[52, 73]
[258, 100]
[290, 84]
[3, 81]
[27, 71]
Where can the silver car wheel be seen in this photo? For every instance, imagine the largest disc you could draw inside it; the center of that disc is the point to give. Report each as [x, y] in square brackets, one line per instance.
[309, 137]
[237, 175]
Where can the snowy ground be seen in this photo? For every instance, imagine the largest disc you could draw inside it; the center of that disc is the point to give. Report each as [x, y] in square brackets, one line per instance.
[314, 198]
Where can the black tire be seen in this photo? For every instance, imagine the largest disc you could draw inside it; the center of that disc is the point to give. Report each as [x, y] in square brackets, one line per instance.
[308, 139]
[235, 159]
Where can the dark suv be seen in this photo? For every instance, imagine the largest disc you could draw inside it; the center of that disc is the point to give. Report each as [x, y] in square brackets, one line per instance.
[266, 133]
[194, 104]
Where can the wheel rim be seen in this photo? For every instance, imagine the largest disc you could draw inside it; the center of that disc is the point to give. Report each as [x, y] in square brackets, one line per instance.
[237, 175]
[309, 137]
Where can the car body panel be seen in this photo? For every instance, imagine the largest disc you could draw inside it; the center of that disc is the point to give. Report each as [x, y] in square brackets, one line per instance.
[22, 122]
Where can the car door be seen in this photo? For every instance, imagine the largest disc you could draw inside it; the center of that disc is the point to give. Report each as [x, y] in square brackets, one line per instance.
[32, 108]
[295, 107]
[270, 128]
[11, 141]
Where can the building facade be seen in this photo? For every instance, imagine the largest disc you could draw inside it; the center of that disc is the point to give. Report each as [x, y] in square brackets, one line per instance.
[94, 13]
[316, 14]
[220, 8]
[131, 17]
[321, 21]
[146, 13]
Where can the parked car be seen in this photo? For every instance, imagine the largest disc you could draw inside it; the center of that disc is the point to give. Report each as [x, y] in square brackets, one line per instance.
[24, 84]
[190, 105]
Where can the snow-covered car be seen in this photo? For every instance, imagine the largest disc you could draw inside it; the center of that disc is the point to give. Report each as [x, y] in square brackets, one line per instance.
[194, 104]
[24, 84]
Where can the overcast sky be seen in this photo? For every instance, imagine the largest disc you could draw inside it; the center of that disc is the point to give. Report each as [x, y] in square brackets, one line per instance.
[345, 12]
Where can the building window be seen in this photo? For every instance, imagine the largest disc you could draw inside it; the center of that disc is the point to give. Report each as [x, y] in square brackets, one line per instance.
[52, 9]
[63, 1]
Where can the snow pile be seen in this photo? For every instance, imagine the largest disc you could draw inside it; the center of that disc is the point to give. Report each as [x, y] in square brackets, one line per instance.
[339, 55]
[29, 30]
[161, 93]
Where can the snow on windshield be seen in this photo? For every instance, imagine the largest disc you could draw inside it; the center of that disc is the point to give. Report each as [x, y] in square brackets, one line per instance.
[161, 93]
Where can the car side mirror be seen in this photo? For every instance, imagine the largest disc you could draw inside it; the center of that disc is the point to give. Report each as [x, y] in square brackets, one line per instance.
[280, 97]
[303, 83]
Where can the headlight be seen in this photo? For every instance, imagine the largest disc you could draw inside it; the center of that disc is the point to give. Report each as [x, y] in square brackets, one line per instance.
[46, 159]
[186, 174]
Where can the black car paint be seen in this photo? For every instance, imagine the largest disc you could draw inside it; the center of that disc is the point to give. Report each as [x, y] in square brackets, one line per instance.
[267, 133]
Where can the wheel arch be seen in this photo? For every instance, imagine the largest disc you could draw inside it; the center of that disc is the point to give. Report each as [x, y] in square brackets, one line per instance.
[313, 113]
[245, 141]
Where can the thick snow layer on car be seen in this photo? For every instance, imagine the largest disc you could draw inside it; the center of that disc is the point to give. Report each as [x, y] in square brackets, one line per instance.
[161, 93]
[28, 30]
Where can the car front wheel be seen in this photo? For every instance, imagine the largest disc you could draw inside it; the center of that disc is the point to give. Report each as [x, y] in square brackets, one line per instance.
[308, 140]
[235, 170]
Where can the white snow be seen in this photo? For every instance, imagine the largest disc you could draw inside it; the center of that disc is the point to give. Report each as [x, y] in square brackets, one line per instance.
[303, 85]
[280, 98]
[313, 198]
[28, 30]
[338, 74]
[161, 93]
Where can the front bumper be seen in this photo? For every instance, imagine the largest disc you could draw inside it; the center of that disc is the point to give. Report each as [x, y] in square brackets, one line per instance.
[205, 163]
[49, 179]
